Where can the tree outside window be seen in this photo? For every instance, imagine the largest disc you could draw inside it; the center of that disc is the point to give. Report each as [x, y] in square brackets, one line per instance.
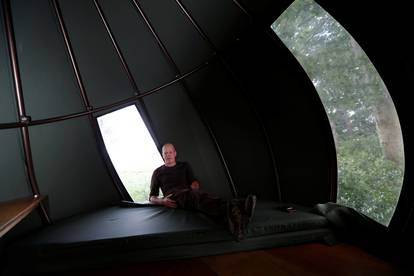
[363, 118]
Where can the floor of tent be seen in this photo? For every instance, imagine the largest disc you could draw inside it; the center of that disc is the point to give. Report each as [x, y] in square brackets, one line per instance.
[314, 258]
[129, 235]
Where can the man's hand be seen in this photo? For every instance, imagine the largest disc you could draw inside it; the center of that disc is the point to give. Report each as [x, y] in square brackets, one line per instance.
[168, 202]
[195, 185]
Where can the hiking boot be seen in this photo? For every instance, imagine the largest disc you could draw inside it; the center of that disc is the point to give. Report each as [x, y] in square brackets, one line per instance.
[249, 207]
[235, 221]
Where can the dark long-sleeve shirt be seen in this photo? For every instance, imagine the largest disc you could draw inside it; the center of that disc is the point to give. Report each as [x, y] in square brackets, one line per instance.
[171, 179]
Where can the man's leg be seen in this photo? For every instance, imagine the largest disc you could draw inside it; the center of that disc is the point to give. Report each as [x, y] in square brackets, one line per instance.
[212, 206]
[249, 207]
[222, 211]
[235, 220]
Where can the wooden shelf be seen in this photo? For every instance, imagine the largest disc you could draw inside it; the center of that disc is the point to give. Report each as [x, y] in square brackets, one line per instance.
[14, 211]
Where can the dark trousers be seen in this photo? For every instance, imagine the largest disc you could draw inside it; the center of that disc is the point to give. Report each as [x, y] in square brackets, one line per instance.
[210, 205]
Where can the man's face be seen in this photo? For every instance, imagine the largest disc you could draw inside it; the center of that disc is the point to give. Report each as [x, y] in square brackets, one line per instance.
[169, 154]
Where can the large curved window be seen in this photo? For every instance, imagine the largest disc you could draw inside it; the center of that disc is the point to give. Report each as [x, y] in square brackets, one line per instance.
[363, 119]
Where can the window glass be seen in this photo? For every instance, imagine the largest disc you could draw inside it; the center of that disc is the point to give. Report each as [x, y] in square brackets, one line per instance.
[131, 149]
[363, 118]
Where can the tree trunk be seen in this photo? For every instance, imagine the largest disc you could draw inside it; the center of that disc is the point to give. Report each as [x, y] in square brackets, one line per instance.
[389, 131]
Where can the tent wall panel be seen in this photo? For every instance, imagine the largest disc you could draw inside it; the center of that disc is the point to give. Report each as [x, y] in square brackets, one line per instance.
[186, 47]
[221, 20]
[237, 130]
[8, 112]
[265, 11]
[48, 82]
[293, 115]
[144, 57]
[13, 182]
[69, 168]
[104, 78]
[175, 120]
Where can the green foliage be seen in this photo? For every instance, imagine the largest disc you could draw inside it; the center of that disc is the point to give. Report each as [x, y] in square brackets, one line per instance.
[344, 77]
[357, 105]
[368, 182]
[137, 183]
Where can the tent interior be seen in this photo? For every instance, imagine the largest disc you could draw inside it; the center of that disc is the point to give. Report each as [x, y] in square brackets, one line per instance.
[215, 78]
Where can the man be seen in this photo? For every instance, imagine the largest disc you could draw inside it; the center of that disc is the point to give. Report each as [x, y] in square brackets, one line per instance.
[181, 189]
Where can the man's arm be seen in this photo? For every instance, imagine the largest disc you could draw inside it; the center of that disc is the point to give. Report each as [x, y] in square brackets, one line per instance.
[166, 201]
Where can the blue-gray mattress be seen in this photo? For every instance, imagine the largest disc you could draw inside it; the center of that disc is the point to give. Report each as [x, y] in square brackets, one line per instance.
[117, 234]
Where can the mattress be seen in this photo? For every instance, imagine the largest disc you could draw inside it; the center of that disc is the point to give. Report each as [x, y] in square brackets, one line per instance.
[119, 234]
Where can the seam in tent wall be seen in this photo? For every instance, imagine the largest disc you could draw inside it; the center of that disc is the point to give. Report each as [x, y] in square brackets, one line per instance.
[178, 74]
[243, 9]
[140, 103]
[21, 110]
[69, 49]
[82, 90]
[227, 67]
